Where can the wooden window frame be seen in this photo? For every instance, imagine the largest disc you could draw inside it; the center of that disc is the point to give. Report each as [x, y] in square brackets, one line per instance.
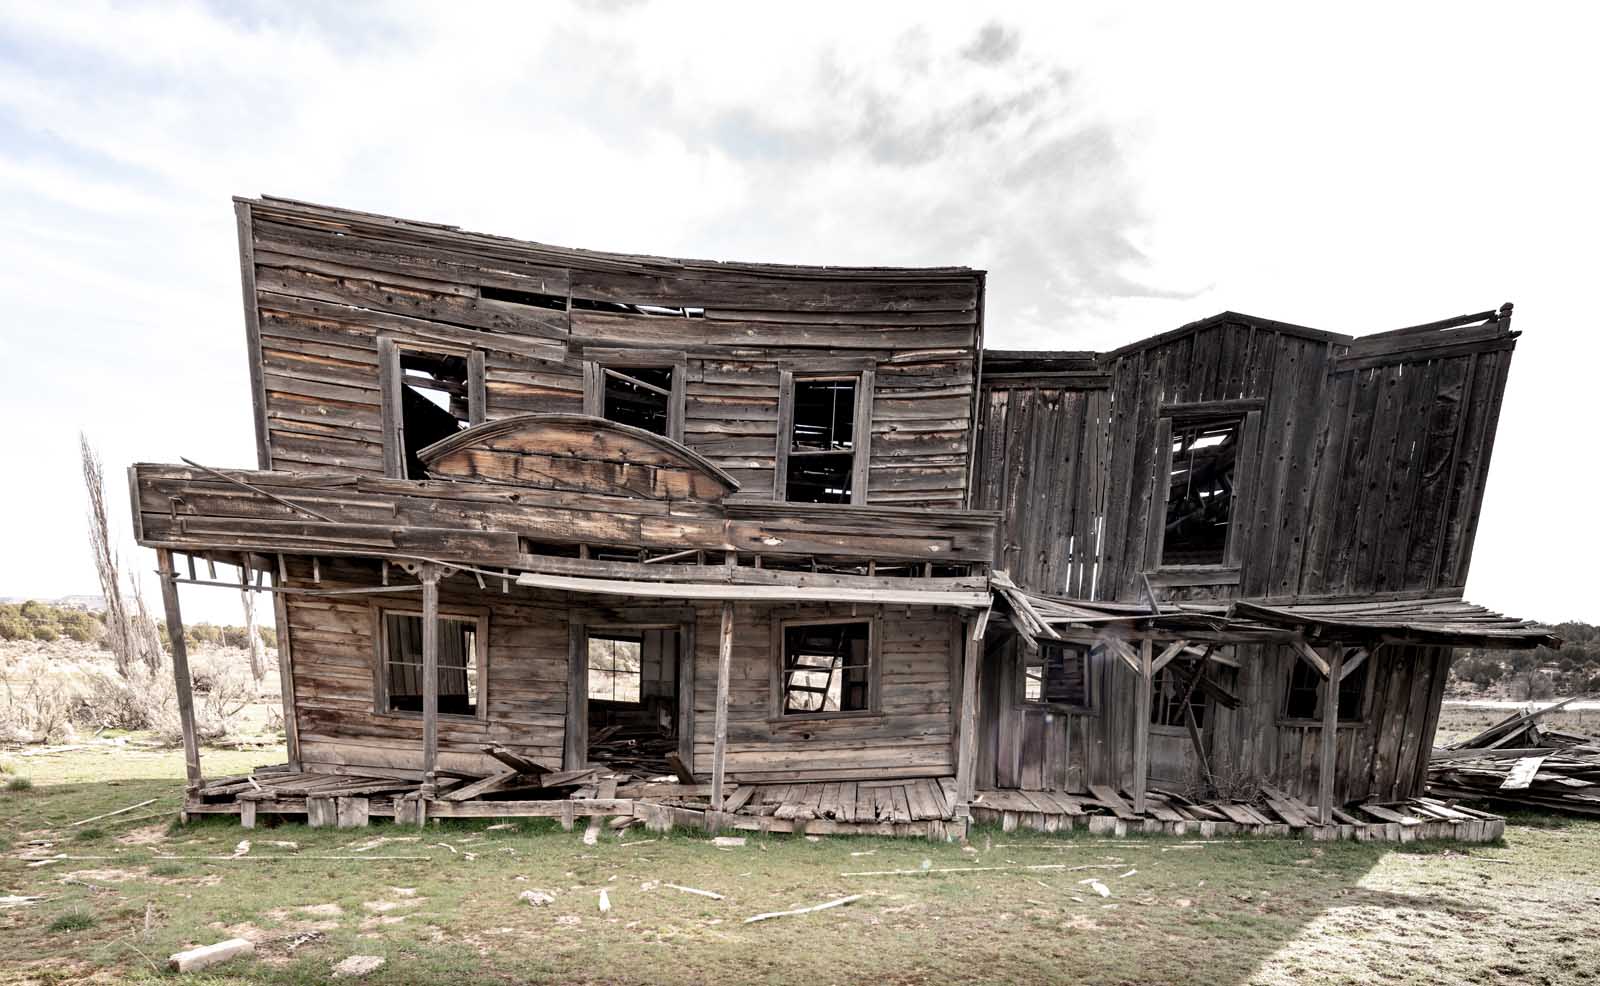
[1092, 666]
[597, 361]
[380, 671]
[874, 708]
[1247, 414]
[1181, 728]
[865, 379]
[391, 378]
[1363, 713]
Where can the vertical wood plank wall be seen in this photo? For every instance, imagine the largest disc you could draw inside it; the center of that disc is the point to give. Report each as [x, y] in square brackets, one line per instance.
[1366, 476]
[328, 283]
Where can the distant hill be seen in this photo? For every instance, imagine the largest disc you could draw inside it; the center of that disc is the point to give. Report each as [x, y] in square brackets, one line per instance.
[87, 603]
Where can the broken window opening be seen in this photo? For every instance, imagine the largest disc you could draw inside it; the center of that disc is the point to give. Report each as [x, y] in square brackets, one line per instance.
[458, 663]
[1058, 673]
[827, 667]
[532, 299]
[640, 396]
[1167, 697]
[434, 403]
[622, 308]
[822, 442]
[1200, 492]
[615, 667]
[1303, 699]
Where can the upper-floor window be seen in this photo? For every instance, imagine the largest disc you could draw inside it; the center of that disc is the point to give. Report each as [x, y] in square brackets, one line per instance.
[827, 667]
[1200, 491]
[1058, 674]
[462, 639]
[825, 436]
[641, 389]
[427, 396]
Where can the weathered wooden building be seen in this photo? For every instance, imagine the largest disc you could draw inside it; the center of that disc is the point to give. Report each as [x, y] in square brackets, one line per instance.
[540, 523]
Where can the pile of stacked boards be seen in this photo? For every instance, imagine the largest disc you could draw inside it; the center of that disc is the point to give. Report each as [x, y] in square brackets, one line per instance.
[1516, 762]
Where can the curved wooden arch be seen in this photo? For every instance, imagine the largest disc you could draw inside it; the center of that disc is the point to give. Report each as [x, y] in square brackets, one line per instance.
[578, 452]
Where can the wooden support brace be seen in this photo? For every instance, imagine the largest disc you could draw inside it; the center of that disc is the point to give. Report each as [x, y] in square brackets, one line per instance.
[720, 743]
[1310, 656]
[1172, 651]
[429, 574]
[967, 751]
[180, 668]
[1141, 726]
[1330, 738]
[1353, 662]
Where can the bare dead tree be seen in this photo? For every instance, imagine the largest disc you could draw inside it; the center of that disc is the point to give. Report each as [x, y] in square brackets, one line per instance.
[258, 664]
[132, 636]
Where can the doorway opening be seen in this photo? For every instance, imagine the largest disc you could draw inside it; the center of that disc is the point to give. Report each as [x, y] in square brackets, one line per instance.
[631, 689]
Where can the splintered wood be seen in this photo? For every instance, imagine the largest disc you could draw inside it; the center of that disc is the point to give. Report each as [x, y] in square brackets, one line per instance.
[1516, 762]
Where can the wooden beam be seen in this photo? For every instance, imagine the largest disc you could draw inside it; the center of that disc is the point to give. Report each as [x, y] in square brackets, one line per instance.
[1173, 650]
[252, 332]
[291, 727]
[1310, 656]
[575, 746]
[1141, 725]
[180, 669]
[1330, 738]
[723, 591]
[429, 574]
[967, 736]
[720, 744]
[1352, 663]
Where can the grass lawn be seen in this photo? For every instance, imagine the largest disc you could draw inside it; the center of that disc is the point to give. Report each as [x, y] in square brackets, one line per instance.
[1227, 911]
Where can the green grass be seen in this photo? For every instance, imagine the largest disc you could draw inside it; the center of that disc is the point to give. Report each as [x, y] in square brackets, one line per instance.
[1222, 912]
[19, 783]
[71, 921]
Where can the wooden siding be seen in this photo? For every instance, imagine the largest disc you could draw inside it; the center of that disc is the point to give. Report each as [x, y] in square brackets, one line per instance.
[335, 659]
[1361, 468]
[327, 284]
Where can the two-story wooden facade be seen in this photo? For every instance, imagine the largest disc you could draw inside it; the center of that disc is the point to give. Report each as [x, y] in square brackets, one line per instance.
[796, 526]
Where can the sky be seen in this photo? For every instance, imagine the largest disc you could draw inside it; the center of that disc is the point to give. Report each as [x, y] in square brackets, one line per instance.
[1118, 172]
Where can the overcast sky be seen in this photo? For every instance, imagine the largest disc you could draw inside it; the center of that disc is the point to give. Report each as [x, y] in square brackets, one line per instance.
[1117, 173]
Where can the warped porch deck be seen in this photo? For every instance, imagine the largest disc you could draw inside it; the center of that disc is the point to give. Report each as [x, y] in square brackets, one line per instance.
[917, 807]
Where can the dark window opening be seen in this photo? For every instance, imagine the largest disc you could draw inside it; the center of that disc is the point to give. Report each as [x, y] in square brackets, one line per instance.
[822, 443]
[458, 663]
[622, 308]
[1306, 688]
[1200, 493]
[433, 403]
[826, 668]
[615, 668]
[530, 298]
[1168, 693]
[640, 396]
[1057, 674]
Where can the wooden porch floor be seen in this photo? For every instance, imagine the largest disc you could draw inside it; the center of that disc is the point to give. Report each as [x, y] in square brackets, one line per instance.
[916, 807]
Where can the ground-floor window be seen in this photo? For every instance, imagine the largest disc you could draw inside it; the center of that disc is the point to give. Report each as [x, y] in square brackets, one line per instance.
[616, 667]
[461, 644]
[1303, 698]
[827, 667]
[1174, 688]
[1058, 673]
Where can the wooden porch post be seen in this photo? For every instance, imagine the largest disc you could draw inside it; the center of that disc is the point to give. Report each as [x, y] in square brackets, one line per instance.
[967, 751]
[1330, 736]
[1141, 725]
[180, 669]
[430, 678]
[724, 665]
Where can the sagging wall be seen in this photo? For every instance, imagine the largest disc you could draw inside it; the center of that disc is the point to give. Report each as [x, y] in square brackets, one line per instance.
[324, 285]
[1361, 471]
[1382, 756]
[334, 658]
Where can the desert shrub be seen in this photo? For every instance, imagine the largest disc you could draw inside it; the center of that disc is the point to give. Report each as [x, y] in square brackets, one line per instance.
[19, 783]
[111, 701]
[1228, 782]
[14, 627]
[72, 921]
[45, 632]
[38, 710]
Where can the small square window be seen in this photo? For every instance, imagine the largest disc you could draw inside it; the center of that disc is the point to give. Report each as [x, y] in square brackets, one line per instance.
[1058, 674]
[827, 667]
[1200, 492]
[640, 396]
[458, 663]
[615, 663]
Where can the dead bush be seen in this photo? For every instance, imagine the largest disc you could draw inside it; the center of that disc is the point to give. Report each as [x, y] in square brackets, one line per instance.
[112, 701]
[35, 710]
[1227, 783]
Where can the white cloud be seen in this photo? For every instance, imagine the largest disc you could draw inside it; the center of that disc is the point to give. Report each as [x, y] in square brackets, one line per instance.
[1118, 170]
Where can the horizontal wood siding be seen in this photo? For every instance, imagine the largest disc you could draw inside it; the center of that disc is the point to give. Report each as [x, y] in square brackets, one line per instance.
[328, 283]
